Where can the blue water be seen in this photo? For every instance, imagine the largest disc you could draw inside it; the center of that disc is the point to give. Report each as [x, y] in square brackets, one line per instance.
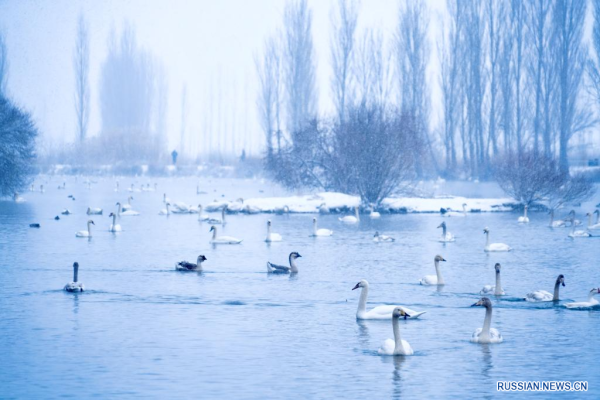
[143, 330]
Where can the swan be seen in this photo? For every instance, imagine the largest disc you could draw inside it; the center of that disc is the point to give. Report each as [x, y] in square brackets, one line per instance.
[323, 209]
[181, 208]
[591, 301]
[94, 211]
[579, 233]
[382, 238]
[188, 266]
[574, 221]
[127, 206]
[166, 199]
[198, 191]
[486, 334]
[63, 186]
[281, 210]
[249, 209]
[374, 214]
[222, 239]
[166, 210]
[436, 279]
[351, 219]
[202, 217]
[494, 246]
[556, 224]
[114, 227]
[590, 224]
[87, 233]
[320, 232]
[496, 289]
[132, 189]
[74, 286]
[281, 269]
[128, 213]
[272, 237]
[524, 219]
[398, 346]
[543, 296]
[236, 206]
[446, 237]
[449, 213]
[215, 221]
[379, 312]
[17, 198]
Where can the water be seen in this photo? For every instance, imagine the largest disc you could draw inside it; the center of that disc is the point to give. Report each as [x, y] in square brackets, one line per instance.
[143, 330]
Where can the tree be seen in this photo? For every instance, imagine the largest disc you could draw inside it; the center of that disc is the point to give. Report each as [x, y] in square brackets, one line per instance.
[17, 147]
[3, 64]
[81, 64]
[269, 95]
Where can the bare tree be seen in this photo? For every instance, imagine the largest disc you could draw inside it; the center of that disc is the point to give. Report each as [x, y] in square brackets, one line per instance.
[494, 14]
[371, 70]
[269, 95]
[81, 64]
[184, 115]
[3, 64]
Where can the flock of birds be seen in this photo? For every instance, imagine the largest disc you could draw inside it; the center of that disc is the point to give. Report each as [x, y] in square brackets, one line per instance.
[396, 346]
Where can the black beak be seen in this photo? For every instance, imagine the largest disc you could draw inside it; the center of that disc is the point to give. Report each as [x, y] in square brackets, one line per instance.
[356, 287]
[299, 256]
[563, 284]
[443, 259]
[406, 316]
[474, 305]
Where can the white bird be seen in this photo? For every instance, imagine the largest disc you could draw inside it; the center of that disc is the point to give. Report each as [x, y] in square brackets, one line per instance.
[351, 219]
[133, 189]
[397, 346]
[379, 312]
[271, 236]
[382, 238]
[591, 301]
[323, 209]
[493, 247]
[63, 186]
[543, 296]
[188, 266]
[496, 289]
[180, 208]
[216, 221]
[87, 233]
[436, 279]
[222, 239]
[127, 206]
[166, 199]
[114, 227]
[250, 209]
[17, 198]
[446, 237]
[128, 213]
[94, 211]
[591, 225]
[524, 219]
[556, 224]
[374, 214]
[75, 286]
[574, 221]
[450, 213]
[320, 232]
[579, 233]
[282, 269]
[281, 210]
[201, 216]
[236, 206]
[41, 188]
[486, 334]
[166, 210]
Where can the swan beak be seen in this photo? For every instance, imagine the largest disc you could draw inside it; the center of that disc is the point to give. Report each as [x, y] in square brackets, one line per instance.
[299, 256]
[440, 225]
[476, 304]
[443, 259]
[406, 316]
[356, 287]
[563, 284]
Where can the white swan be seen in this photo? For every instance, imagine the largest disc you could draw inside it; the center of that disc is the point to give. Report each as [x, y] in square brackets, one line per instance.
[398, 346]
[374, 214]
[202, 217]
[446, 237]
[320, 232]
[128, 213]
[94, 211]
[166, 199]
[382, 238]
[216, 221]
[271, 236]
[351, 219]
[591, 225]
[222, 239]
[127, 206]
[543, 296]
[556, 224]
[578, 233]
[496, 289]
[323, 209]
[166, 210]
[17, 198]
[75, 286]
[494, 246]
[591, 301]
[114, 227]
[574, 221]
[236, 206]
[379, 312]
[87, 233]
[524, 219]
[436, 279]
[486, 334]
[282, 269]
[450, 213]
[133, 189]
[188, 266]
[281, 210]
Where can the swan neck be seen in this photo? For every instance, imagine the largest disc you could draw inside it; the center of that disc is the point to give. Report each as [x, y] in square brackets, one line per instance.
[199, 266]
[525, 214]
[293, 266]
[362, 302]
[75, 273]
[551, 217]
[397, 337]
[589, 220]
[214, 233]
[356, 213]
[498, 284]
[89, 224]
[487, 322]
[114, 220]
[269, 230]
[438, 272]
[556, 289]
[444, 231]
[315, 227]
[487, 239]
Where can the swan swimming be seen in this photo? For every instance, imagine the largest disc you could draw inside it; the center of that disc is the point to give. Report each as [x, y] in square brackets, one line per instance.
[114, 227]
[323, 209]
[271, 236]
[94, 211]
[166, 199]
[166, 210]
[202, 217]
[382, 238]
[222, 239]
[496, 289]
[128, 213]
[215, 221]
[543, 296]
[75, 286]
[446, 237]
[524, 219]
[486, 334]
[591, 301]
[282, 269]
[379, 312]
[436, 279]
[374, 214]
[320, 232]
[579, 233]
[188, 266]
[351, 219]
[595, 225]
[127, 206]
[494, 246]
[450, 213]
[556, 224]
[397, 346]
[87, 233]
[574, 221]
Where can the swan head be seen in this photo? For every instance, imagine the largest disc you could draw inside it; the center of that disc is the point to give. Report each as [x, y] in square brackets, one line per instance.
[130, 198]
[212, 228]
[314, 220]
[497, 268]
[560, 280]
[439, 258]
[376, 234]
[111, 215]
[572, 212]
[294, 255]
[442, 225]
[201, 259]
[118, 204]
[363, 283]
[91, 222]
[526, 206]
[399, 313]
[486, 230]
[269, 223]
[75, 265]
[484, 302]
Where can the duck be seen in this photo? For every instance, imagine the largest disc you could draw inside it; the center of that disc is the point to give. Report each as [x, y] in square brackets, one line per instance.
[446, 237]
[114, 227]
[201, 216]
[281, 269]
[320, 232]
[75, 286]
[496, 289]
[596, 225]
[524, 219]
[166, 210]
[397, 346]
[128, 213]
[591, 301]
[579, 233]
[323, 209]
[127, 206]
[272, 237]
[494, 247]
[437, 279]
[188, 266]
[543, 296]
[222, 239]
[351, 219]
[88, 233]
[447, 212]
[34, 225]
[486, 334]
[379, 312]
[382, 238]
[216, 221]
[94, 211]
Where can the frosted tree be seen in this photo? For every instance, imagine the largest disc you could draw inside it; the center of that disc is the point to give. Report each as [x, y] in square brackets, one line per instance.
[184, 115]
[269, 95]
[372, 71]
[3, 64]
[81, 64]
[494, 13]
